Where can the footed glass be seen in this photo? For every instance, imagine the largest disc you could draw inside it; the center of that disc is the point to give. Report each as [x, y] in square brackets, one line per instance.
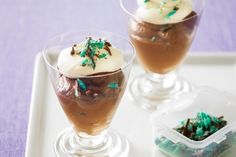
[89, 102]
[161, 49]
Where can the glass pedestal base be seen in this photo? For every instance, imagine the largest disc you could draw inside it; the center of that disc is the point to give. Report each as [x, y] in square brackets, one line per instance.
[151, 90]
[108, 144]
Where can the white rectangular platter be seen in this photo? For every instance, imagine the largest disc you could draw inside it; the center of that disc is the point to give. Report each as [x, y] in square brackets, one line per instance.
[47, 119]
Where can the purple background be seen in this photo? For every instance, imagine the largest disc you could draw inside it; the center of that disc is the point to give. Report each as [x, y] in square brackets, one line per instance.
[26, 25]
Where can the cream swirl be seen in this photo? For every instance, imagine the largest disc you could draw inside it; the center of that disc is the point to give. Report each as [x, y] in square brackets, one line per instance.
[78, 61]
[163, 11]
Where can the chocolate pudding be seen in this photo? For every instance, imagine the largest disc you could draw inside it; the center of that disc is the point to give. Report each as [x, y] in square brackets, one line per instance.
[162, 47]
[91, 84]
[90, 103]
[162, 32]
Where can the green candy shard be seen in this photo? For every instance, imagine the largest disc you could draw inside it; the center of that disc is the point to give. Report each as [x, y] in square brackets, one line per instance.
[85, 61]
[83, 52]
[201, 116]
[213, 129]
[82, 85]
[183, 122]
[103, 55]
[215, 120]
[97, 44]
[101, 44]
[171, 13]
[206, 122]
[190, 127]
[113, 85]
[199, 132]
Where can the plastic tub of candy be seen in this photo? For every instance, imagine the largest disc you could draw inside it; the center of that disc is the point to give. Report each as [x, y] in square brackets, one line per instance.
[200, 124]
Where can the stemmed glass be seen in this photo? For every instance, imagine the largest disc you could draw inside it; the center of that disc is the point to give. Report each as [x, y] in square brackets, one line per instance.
[89, 102]
[161, 49]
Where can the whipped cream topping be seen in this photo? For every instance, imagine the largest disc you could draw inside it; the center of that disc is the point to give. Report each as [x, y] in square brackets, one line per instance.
[89, 57]
[163, 11]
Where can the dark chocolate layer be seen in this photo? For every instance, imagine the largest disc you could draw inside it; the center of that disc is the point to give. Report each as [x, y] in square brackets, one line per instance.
[90, 103]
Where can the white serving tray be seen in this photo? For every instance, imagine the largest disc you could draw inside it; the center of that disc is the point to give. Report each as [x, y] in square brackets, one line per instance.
[47, 119]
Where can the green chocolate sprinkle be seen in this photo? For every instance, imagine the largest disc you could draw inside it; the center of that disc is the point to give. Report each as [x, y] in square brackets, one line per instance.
[145, 1]
[82, 85]
[113, 85]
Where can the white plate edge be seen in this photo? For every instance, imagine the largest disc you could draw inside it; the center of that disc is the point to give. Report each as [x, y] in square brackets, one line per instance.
[33, 108]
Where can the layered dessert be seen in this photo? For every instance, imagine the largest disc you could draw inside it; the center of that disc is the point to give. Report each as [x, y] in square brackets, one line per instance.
[162, 32]
[91, 84]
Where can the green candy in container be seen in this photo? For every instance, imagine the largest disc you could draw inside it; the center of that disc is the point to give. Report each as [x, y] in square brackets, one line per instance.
[200, 124]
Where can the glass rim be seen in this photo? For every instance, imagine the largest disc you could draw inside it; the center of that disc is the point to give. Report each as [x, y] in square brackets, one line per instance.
[125, 66]
[185, 19]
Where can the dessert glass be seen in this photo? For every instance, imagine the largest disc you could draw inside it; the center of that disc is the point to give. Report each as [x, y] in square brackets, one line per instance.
[89, 102]
[161, 49]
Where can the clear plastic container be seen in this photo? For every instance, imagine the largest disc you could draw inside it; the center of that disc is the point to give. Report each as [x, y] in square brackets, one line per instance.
[206, 100]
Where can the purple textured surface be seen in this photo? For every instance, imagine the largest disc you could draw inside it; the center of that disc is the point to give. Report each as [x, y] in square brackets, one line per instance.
[26, 25]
